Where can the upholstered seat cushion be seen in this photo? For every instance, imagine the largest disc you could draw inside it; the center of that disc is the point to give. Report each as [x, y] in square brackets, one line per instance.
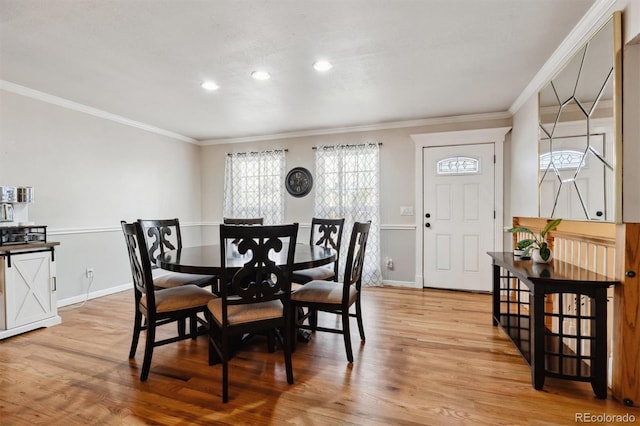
[323, 292]
[176, 279]
[312, 274]
[177, 298]
[240, 314]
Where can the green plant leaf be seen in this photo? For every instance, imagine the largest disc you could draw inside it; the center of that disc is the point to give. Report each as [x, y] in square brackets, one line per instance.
[550, 226]
[525, 230]
[545, 252]
[523, 244]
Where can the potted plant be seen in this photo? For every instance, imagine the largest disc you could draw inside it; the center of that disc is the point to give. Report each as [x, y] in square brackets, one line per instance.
[537, 243]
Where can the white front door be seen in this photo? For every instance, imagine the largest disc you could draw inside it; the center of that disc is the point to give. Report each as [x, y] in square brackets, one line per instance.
[459, 216]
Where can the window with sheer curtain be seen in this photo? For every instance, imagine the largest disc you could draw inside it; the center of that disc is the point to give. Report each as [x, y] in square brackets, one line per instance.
[253, 185]
[347, 185]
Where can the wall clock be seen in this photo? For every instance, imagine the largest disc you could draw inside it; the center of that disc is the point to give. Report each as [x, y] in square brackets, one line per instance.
[299, 181]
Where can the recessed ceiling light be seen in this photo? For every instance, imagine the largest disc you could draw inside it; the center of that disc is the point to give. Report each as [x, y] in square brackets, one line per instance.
[260, 75]
[210, 85]
[322, 66]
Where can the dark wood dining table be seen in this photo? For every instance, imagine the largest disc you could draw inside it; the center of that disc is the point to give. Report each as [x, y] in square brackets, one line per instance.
[205, 260]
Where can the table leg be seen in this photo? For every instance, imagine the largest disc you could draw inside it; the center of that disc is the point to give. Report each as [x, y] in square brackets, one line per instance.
[496, 295]
[536, 324]
[599, 345]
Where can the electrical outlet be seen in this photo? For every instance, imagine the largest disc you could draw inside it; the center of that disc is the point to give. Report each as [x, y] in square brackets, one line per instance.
[389, 263]
[89, 272]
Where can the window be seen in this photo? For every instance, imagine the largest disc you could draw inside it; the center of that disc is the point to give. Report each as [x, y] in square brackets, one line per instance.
[562, 159]
[347, 185]
[458, 166]
[253, 185]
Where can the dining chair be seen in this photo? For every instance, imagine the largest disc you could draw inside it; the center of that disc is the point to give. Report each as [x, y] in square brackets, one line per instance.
[154, 306]
[164, 234]
[326, 233]
[337, 298]
[243, 221]
[258, 296]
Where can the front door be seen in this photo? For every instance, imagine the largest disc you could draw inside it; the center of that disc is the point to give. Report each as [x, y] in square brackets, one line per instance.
[459, 217]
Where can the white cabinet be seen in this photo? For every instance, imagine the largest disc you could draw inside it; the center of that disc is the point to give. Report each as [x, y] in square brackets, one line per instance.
[27, 291]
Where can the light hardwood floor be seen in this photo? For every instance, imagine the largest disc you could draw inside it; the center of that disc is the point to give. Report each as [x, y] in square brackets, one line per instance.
[431, 358]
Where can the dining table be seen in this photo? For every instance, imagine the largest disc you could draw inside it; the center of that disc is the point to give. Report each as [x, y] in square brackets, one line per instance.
[206, 260]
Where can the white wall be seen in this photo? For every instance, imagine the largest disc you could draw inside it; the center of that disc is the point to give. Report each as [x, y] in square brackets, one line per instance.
[524, 161]
[88, 174]
[397, 177]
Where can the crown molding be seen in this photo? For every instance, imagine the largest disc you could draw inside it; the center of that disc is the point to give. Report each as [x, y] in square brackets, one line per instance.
[365, 128]
[65, 103]
[590, 23]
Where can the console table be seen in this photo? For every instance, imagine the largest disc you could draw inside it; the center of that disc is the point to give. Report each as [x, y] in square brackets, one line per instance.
[556, 315]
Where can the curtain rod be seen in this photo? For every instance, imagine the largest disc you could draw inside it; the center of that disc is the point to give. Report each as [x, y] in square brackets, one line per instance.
[348, 145]
[257, 152]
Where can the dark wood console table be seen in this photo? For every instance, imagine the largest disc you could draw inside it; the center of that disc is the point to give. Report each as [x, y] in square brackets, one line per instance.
[556, 314]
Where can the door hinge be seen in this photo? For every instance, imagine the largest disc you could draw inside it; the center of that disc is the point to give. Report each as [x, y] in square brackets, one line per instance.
[494, 159]
[494, 214]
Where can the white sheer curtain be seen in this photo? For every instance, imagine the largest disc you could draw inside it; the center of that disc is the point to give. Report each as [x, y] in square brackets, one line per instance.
[347, 185]
[253, 185]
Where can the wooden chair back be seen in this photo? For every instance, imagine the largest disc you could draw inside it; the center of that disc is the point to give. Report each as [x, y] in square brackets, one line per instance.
[141, 270]
[243, 221]
[327, 233]
[260, 279]
[355, 256]
[161, 235]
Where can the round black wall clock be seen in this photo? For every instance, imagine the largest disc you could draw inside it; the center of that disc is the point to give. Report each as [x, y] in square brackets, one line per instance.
[299, 182]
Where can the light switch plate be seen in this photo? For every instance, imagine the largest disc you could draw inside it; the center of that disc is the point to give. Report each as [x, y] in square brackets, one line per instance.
[406, 210]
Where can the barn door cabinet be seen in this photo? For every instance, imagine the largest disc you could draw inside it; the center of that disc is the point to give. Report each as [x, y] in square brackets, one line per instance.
[27, 288]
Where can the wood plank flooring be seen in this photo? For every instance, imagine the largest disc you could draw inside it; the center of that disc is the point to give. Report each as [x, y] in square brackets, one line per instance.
[431, 358]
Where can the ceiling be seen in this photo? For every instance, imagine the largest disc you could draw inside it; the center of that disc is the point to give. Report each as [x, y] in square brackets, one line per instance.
[393, 60]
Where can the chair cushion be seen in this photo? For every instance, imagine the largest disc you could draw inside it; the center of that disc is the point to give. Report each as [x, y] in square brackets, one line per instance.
[319, 273]
[323, 292]
[176, 279]
[240, 314]
[177, 298]
[296, 286]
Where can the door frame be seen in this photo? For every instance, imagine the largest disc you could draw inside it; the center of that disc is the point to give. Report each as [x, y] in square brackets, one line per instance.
[462, 137]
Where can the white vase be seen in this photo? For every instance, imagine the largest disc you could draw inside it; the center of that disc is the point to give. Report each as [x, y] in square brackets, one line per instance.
[535, 255]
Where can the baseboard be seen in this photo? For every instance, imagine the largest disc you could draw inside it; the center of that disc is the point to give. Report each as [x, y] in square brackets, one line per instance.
[404, 284]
